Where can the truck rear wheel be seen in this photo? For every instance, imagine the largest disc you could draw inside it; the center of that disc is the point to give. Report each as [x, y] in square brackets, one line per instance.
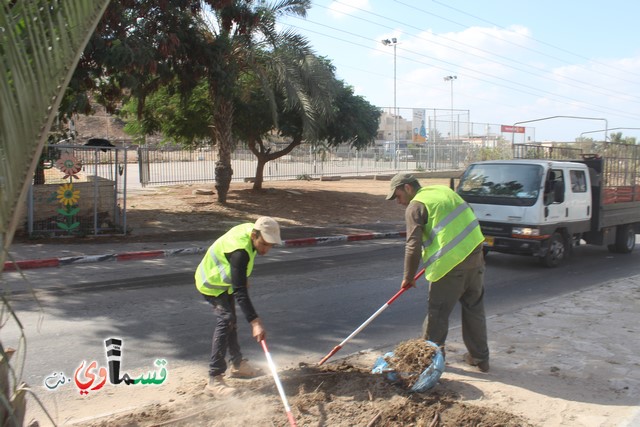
[625, 239]
[557, 251]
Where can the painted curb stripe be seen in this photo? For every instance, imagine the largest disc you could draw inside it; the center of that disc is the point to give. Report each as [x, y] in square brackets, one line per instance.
[127, 256]
[139, 255]
[300, 242]
[35, 263]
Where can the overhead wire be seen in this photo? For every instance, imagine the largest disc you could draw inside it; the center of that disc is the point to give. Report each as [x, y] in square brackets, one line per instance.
[587, 85]
[379, 74]
[551, 96]
[597, 108]
[533, 39]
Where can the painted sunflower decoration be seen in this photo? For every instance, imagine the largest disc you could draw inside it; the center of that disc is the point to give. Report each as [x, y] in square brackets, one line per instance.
[66, 194]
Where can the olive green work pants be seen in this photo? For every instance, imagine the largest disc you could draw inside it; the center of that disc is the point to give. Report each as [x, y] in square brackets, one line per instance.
[466, 286]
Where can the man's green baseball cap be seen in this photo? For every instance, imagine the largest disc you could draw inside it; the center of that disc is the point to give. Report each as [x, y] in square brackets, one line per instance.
[398, 180]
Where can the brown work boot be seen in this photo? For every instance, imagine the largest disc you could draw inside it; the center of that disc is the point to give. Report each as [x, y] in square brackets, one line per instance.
[483, 365]
[218, 388]
[244, 370]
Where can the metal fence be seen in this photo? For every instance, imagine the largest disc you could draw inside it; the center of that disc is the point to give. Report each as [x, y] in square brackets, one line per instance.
[166, 165]
[78, 190]
[451, 126]
[537, 151]
[81, 190]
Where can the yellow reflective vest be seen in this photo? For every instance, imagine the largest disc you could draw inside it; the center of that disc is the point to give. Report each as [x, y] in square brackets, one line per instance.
[452, 231]
[213, 275]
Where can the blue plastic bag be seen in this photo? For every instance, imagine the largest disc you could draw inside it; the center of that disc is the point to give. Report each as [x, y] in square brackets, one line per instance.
[427, 379]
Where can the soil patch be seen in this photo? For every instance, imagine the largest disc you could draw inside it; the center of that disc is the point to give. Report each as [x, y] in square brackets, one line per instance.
[335, 395]
[192, 212]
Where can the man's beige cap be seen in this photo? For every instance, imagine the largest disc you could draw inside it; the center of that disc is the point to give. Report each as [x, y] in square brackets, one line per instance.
[269, 230]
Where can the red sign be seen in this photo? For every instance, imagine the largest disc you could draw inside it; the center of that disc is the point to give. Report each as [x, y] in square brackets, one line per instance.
[512, 129]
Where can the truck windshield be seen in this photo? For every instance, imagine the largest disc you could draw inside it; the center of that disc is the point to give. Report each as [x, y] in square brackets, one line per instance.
[501, 183]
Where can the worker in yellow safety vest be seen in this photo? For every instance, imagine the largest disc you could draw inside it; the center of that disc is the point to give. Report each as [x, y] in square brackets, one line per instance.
[443, 233]
[222, 278]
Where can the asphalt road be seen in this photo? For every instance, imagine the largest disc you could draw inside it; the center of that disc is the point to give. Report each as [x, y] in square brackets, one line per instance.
[309, 298]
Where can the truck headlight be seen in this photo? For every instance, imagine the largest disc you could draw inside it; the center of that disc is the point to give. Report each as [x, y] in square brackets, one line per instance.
[525, 232]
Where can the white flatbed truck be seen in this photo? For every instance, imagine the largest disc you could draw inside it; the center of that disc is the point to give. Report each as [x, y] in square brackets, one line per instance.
[545, 208]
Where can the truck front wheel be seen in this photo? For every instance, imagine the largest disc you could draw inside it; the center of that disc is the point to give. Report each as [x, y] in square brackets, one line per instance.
[625, 239]
[557, 251]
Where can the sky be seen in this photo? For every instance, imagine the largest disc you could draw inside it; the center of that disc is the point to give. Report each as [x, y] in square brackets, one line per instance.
[516, 62]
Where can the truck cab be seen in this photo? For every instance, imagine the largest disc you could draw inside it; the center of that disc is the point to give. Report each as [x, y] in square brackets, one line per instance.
[530, 207]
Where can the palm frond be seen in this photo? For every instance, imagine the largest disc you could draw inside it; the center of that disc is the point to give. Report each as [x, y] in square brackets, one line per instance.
[290, 7]
[41, 42]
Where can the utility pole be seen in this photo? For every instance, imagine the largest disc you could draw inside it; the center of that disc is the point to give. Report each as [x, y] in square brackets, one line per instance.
[394, 42]
[451, 79]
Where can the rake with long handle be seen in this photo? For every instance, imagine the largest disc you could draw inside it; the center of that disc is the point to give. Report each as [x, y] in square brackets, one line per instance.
[274, 373]
[364, 325]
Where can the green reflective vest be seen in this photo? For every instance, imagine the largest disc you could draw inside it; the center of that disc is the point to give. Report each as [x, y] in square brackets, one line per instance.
[452, 231]
[213, 275]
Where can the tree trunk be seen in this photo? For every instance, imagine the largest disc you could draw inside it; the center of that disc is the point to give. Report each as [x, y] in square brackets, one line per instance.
[265, 155]
[224, 172]
[223, 123]
[262, 161]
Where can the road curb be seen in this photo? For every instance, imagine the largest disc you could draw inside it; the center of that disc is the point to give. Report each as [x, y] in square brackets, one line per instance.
[130, 256]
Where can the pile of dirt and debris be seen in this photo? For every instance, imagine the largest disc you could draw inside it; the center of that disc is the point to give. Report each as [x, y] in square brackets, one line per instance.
[409, 359]
[336, 395]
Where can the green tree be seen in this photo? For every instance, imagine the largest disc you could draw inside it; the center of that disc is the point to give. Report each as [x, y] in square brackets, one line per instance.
[587, 145]
[617, 137]
[341, 117]
[144, 44]
[352, 120]
[247, 50]
[180, 119]
[137, 48]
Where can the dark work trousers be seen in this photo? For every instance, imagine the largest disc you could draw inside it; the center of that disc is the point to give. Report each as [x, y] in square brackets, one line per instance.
[225, 335]
[466, 286]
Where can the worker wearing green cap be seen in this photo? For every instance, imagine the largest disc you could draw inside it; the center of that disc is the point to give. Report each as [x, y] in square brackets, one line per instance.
[443, 233]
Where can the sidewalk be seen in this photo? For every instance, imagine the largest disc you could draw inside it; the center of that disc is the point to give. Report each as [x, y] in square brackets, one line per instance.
[568, 361]
[61, 252]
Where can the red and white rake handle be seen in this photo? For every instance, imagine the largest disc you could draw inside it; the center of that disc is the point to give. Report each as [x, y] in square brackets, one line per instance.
[274, 373]
[369, 320]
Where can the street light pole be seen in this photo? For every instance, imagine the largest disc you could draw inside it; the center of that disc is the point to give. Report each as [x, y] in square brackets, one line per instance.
[394, 42]
[451, 79]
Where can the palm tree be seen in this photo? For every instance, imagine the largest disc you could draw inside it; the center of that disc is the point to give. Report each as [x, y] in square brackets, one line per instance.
[245, 45]
[40, 45]
[143, 46]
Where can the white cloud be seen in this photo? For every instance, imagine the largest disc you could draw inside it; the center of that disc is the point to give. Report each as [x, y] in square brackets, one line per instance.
[504, 76]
